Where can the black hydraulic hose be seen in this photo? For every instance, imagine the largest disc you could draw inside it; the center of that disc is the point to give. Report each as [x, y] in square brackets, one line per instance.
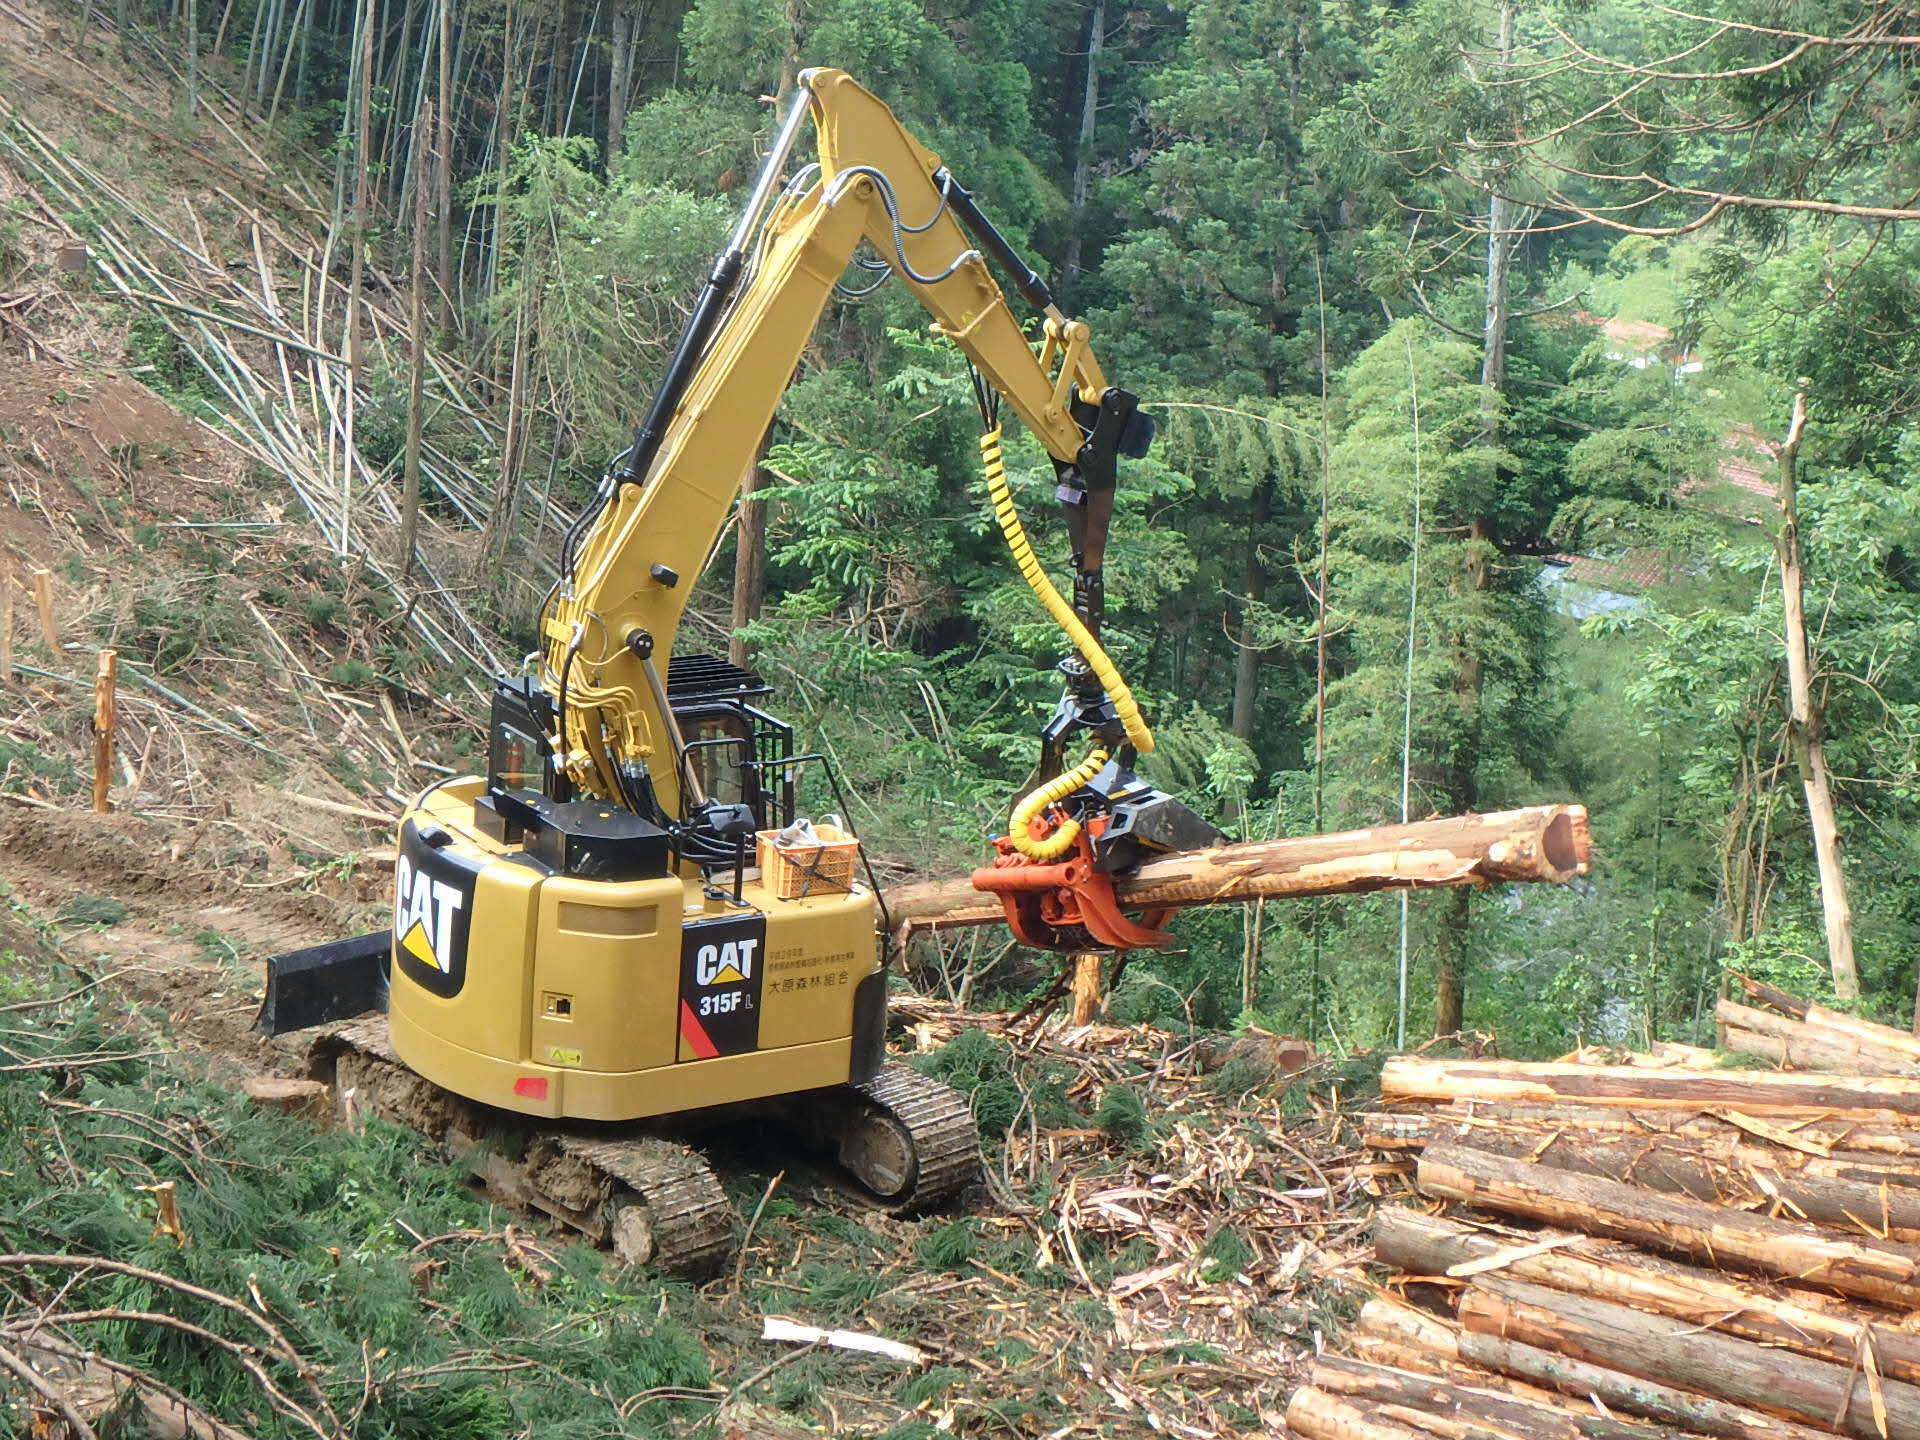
[707, 311]
[1031, 287]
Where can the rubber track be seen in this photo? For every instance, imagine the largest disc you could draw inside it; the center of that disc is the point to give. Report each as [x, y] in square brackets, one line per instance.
[689, 1214]
[938, 1120]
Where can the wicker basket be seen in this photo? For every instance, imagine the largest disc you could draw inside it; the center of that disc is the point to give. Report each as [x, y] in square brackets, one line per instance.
[793, 871]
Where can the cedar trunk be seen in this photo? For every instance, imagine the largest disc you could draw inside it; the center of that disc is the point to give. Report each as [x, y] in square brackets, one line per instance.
[1663, 1350]
[1863, 1266]
[1546, 843]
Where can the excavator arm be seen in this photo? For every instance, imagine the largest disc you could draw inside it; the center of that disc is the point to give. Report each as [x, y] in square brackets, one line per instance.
[612, 619]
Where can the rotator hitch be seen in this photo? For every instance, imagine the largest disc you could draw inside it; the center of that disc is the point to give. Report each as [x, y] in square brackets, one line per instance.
[1082, 826]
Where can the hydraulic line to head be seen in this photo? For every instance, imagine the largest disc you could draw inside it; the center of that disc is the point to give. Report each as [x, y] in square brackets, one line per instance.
[1139, 734]
[1035, 802]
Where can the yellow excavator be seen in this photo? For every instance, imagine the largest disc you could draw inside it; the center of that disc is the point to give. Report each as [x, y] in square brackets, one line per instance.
[621, 933]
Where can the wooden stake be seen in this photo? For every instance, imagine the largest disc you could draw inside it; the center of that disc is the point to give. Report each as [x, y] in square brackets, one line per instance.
[104, 719]
[43, 598]
[6, 622]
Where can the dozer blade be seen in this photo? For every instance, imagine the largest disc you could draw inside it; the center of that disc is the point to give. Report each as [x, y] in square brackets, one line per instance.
[335, 981]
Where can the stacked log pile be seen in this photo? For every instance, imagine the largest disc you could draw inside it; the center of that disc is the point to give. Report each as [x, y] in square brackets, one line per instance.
[1798, 1035]
[1645, 1249]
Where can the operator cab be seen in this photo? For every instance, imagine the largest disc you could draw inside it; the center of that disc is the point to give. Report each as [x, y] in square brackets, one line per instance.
[736, 755]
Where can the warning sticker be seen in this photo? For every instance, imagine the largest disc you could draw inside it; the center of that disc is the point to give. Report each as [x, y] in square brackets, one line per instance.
[720, 965]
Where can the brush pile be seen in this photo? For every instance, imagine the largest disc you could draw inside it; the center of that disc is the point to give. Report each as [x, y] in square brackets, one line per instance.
[1646, 1248]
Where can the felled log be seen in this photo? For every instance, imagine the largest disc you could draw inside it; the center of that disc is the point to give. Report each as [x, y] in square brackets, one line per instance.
[1633, 1394]
[1547, 843]
[1657, 1348]
[1720, 1172]
[1854, 1137]
[1432, 1245]
[1833, 1022]
[1799, 1150]
[1390, 1391]
[1804, 1046]
[1430, 1344]
[1392, 1332]
[1873, 1269]
[1319, 1416]
[1412, 1078]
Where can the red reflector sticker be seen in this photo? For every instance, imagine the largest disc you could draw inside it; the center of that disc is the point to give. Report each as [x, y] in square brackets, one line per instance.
[534, 1087]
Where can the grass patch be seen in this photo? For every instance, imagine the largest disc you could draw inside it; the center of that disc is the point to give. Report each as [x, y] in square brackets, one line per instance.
[323, 1225]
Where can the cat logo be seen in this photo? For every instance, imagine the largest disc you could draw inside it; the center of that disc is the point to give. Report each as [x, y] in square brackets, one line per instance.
[423, 912]
[720, 985]
[727, 964]
[433, 889]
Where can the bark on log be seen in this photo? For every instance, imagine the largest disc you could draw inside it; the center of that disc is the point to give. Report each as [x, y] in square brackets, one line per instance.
[1428, 1343]
[1791, 1151]
[1657, 1348]
[1718, 1172]
[1546, 843]
[1856, 1136]
[1805, 1046]
[1873, 1269]
[1430, 1245]
[1773, 997]
[1698, 1414]
[1835, 1022]
[1463, 1394]
[1317, 1415]
[1412, 1078]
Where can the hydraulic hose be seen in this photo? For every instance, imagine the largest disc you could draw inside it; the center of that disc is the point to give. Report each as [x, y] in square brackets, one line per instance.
[1030, 805]
[1138, 732]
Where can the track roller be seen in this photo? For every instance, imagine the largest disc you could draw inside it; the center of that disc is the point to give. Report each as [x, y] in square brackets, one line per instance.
[910, 1140]
[650, 1200]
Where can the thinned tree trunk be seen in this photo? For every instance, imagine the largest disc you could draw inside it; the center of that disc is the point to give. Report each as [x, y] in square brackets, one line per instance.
[1451, 937]
[558, 69]
[1083, 149]
[1807, 720]
[443, 170]
[423, 124]
[1253, 581]
[619, 80]
[1500, 230]
[191, 10]
[749, 560]
[494, 538]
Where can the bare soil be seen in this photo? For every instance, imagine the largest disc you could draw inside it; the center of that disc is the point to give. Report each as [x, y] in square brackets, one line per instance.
[193, 936]
[82, 455]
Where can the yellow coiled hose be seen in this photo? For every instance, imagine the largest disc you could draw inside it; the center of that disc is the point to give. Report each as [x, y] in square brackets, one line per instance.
[1031, 804]
[1124, 705]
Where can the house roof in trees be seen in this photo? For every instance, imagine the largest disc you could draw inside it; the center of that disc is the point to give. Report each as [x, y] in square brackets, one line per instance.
[1626, 572]
[1743, 486]
[1635, 337]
